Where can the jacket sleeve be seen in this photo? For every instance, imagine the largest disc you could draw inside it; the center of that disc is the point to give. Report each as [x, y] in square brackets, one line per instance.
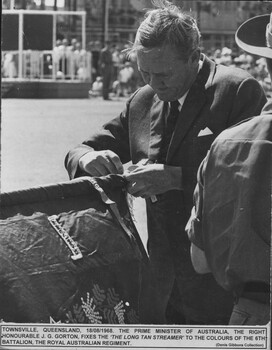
[112, 136]
[194, 225]
[249, 101]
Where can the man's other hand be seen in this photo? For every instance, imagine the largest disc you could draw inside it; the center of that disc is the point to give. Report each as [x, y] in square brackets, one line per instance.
[151, 179]
[100, 163]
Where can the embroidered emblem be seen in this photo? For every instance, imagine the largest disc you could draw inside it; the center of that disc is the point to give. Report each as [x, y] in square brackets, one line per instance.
[89, 310]
[71, 244]
[102, 307]
[120, 311]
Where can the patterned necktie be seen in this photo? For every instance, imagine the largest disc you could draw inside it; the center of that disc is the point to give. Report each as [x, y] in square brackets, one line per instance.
[169, 129]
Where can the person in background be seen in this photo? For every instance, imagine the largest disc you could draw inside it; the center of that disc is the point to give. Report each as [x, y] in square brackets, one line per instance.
[81, 57]
[57, 57]
[125, 77]
[64, 53]
[73, 57]
[106, 69]
[226, 58]
[94, 49]
[165, 129]
[97, 87]
[217, 56]
[73, 45]
[230, 225]
[116, 62]
[9, 66]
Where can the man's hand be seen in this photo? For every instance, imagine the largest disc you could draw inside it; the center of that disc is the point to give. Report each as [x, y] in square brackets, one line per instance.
[199, 260]
[100, 163]
[151, 179]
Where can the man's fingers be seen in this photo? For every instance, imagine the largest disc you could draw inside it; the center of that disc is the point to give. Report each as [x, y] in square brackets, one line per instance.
[92, 171]
[131, 176]
[102, 169]
[104, 165]
[135, 193]
[131, 168]
[136, 190]
[140, 193]
[135, 169]
[100, 163]
[115, 164]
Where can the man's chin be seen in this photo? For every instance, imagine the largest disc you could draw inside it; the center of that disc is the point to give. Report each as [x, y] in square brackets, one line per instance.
[166, 97]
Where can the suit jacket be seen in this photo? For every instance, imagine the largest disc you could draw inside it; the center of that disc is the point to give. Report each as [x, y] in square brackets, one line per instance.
[232, 220]
[219, 97]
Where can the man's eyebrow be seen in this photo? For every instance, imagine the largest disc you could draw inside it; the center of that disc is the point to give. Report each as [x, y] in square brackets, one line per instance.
[160, 73]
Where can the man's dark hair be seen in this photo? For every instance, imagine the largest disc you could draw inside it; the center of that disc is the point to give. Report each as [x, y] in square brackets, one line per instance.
[167, 25]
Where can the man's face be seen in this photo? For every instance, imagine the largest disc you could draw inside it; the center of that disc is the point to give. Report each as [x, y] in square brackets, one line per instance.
[168, 75]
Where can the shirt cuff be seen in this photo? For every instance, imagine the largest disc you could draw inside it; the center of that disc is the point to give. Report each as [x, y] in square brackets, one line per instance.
[194, 230]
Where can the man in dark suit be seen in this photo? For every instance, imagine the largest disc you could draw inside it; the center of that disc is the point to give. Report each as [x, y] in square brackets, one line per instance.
[106, 69]
[165, 130]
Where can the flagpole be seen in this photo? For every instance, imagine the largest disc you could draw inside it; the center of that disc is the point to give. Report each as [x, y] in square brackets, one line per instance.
[106, 20]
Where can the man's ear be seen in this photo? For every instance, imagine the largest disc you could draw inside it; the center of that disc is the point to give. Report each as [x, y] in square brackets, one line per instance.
[195, 56]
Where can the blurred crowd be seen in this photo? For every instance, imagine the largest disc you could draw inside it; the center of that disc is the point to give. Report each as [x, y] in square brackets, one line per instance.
[122, 73]
[67, 60]
[256, 66]
[109, 65]
[70, 60]
[125, 77]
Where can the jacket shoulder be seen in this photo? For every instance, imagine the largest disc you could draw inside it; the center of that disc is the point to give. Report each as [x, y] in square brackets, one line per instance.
[232, 74]
[142, 95]
[255, 128]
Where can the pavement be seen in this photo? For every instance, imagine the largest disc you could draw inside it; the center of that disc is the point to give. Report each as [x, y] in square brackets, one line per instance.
[36, 134]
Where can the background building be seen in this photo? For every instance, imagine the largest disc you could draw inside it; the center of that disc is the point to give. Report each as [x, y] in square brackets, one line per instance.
[117, 20]
[60, 41]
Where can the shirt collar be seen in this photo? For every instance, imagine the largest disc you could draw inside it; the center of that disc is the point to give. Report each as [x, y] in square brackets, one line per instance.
[182, 99]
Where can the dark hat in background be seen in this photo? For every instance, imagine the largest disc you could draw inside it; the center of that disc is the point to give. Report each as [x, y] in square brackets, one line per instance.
[255, 36]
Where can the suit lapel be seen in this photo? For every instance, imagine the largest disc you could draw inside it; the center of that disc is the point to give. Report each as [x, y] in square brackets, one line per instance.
[193, 103]
[157, 123]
